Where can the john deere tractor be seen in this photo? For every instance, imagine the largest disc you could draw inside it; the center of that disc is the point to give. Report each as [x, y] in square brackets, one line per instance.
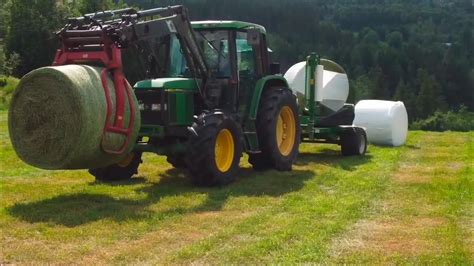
[207, 92]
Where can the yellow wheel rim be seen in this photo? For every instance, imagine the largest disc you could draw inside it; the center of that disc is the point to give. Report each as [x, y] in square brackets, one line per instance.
[286, 130]
[224, 150]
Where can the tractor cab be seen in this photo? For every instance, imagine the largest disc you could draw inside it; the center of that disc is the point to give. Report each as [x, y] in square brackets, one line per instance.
[237, 57]
[234, 52]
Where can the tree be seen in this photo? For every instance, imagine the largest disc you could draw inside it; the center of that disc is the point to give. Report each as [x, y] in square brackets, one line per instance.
[395, 39]
[91, 6]
[429, 98]
[381, 46]
[407, 96]
[362, 88]
[379, 81]
[4, 17]
[31, 33]
[9, 64]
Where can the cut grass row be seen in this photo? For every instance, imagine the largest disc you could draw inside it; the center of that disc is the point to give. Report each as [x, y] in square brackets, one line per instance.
[313, 214]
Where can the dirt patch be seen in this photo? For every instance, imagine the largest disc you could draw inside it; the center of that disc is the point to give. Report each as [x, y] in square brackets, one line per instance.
[159, 245]
[207, 214]
[466, 222]
[390, 237]
[421, 173]
[413, 173]
[455, 166]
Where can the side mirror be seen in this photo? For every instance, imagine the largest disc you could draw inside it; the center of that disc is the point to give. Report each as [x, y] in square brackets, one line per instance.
[275, 68]
[253, 37]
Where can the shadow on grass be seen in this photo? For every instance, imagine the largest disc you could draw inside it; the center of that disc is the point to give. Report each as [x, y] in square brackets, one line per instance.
[410, 146]
[129, 182]
[82, 208]
[333, 158]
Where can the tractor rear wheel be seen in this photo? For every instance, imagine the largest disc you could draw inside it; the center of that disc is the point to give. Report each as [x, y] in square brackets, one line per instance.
[354, 142]
[176, 162]
[278, 130]
[214, 152]
[120, 171]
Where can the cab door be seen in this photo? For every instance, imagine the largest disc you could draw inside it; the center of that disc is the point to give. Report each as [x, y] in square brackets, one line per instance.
[252, 64]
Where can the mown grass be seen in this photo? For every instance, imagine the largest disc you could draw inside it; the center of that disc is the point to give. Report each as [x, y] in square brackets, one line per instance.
[410, 204]
[7, 86]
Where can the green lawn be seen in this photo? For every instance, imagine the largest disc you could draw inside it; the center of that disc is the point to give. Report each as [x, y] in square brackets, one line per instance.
[412, 204]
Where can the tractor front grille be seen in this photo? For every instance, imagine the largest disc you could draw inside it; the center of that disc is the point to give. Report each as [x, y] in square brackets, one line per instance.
[165, 108]
[153, 107]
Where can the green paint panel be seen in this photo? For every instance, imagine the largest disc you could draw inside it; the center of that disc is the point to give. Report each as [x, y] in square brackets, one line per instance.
[152, 131]
[259, 86]
[143, 84]
[226, 24]
[181, 108]
[168, 84]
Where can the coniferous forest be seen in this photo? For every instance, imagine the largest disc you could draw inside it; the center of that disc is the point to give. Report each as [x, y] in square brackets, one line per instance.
[416, 51]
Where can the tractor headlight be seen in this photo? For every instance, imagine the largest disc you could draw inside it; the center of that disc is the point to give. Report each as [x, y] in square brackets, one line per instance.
[156, 107]
[141, 106]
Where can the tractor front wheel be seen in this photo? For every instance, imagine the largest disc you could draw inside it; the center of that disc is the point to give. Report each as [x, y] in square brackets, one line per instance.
[214, 151]
[278, 130]
[120, 171]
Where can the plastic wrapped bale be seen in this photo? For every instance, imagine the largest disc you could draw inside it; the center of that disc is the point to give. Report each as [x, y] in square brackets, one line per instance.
[57, 117]
[332, 84]
[385, 122]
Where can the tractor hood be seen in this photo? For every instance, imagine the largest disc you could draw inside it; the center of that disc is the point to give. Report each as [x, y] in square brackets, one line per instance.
[187, 84]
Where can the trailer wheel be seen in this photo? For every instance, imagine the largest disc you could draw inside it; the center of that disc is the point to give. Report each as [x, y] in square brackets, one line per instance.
[354, 142]
[278, 130]
[214, 153]
[119, 171]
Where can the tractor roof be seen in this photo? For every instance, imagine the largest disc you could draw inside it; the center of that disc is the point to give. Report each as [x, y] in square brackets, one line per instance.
[226, 24]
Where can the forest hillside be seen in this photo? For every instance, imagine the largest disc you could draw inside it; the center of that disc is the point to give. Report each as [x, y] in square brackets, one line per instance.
[419, 52]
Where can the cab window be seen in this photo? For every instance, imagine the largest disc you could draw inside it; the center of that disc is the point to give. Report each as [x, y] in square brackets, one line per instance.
[215, 47]
[245, 55]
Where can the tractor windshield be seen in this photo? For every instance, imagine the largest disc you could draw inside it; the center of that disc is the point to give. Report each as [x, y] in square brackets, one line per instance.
[177, 61]
[215, 47]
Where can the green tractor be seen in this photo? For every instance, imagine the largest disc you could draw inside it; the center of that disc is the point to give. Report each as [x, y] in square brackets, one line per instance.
[207, 92]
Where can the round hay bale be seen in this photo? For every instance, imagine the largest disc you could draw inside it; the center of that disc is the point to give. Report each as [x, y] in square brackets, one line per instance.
[57, 116]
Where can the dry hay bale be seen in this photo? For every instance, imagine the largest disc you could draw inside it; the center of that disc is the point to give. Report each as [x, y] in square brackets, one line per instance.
[57, 116]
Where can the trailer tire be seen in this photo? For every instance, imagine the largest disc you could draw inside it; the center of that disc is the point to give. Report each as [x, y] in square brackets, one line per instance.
[119, 171]
[354, 142]
[278, 130]
[214, 151]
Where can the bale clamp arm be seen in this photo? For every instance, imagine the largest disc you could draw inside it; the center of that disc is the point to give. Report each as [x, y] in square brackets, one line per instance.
[95, 46]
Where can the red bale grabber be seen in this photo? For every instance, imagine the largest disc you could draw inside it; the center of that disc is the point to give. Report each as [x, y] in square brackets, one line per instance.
[86, 40]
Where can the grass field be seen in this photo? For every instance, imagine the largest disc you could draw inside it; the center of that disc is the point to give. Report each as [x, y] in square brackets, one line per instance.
[412, 204]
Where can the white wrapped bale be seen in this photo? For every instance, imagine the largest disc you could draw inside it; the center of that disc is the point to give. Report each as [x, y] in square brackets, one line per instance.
[332, 88]
[386, 122]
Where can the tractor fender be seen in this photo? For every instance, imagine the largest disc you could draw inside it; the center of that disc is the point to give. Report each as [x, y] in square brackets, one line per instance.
[265, 82]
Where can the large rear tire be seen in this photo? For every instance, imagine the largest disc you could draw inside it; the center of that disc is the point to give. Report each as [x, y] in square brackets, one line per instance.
[214, 152]
[176, 162]
[278, 130]
[120, 171]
